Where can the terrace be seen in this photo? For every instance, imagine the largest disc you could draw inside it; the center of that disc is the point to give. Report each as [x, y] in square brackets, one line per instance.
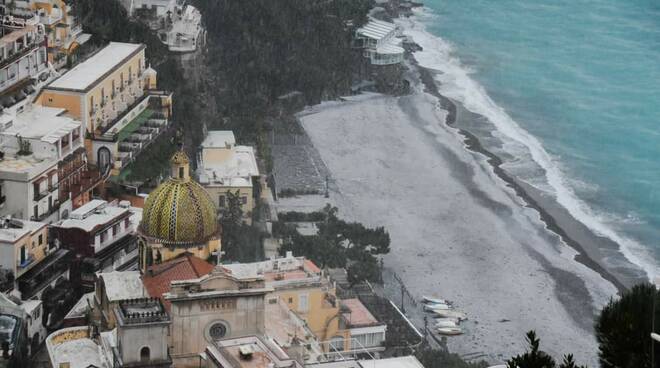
[43, 274]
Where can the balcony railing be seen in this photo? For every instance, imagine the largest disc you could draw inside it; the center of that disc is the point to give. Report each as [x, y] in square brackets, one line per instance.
[42, 274]
[26, 262]
[40, 217]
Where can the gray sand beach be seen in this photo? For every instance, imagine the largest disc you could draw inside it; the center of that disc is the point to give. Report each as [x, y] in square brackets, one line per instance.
[458, 231]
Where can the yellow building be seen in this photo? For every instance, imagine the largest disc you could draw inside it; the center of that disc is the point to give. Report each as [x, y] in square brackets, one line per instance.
[27, 254]
[304, 288]
[23, 244]
[178, 217]
[63, 33]
[112, 94]
[225, 167]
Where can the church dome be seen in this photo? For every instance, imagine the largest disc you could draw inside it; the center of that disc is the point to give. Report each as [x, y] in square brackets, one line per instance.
[179, 211]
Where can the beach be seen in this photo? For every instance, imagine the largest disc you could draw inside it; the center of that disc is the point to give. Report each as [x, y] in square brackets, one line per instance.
[458, 231]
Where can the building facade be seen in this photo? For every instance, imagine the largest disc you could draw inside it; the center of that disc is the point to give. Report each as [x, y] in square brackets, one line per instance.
[224, 167]
[22, 56]
[102, 238]
[112, 94]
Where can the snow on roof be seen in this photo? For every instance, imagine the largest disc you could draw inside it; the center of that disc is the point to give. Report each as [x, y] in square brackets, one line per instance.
[18, 229]
[376, 29]
[398, 362]
[45, 123]
[74, 346]
[389, 49]
[80, 307]
[219, 139]
[95, 213]
[236, 171]
[89, 72]
[123, 285]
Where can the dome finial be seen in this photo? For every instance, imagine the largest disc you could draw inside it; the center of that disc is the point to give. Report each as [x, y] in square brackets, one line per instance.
[180, 166]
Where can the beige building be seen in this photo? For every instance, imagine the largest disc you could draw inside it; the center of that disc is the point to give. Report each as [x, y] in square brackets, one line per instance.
[225, 167]
[340, 325]
[113, 94]
[34, 262]
[214, 307]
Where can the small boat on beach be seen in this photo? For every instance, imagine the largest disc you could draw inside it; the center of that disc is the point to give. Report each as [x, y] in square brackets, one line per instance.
[447, 319]
[432, 307]
[450, 331]
[429, 300]
[450, 314]
[442, 324]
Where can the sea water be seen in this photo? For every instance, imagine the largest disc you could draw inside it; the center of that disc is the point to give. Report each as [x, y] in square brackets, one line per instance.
[572, 86]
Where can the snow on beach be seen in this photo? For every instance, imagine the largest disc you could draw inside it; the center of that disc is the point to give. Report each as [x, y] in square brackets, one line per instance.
[456, 230]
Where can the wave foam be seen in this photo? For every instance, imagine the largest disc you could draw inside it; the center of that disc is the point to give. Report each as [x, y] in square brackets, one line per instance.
[456, 83]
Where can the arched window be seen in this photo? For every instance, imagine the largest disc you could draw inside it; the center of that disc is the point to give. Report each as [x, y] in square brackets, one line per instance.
[103, 159]
[145, 355]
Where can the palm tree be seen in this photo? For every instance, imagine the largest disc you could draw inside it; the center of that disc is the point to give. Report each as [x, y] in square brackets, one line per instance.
[624, 327]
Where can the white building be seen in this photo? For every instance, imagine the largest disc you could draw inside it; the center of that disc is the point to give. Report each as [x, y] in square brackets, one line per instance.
[378, 38]
[34, 142]
[33, 315]
[186, 33]
[22, 56]
[102, 234]
[225, 167]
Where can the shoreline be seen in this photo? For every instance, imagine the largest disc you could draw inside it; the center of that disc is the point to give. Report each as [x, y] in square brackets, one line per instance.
[473, 144]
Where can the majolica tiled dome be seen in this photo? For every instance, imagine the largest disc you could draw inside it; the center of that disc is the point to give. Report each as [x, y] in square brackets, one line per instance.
[179, 211]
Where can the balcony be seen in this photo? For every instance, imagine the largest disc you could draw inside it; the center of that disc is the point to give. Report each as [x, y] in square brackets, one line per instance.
[41, 217]
[89, 180]
[41, 275]
[26, 262]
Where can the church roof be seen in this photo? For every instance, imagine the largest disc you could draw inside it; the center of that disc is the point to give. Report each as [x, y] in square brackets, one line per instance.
[179, 211]
[159, 277]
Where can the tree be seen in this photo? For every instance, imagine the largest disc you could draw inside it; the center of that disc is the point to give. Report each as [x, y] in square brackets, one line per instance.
[240, 241]
[533, 358]
[570, 363]
[624, 327]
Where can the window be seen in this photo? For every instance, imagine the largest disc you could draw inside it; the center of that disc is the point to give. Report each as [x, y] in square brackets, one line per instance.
[244, 199]
[303, 303]
[221, 201]
[290, 300]
[127, 222]
[218, 330]
[104, 235]
[181, 173]
[145, 355]
[41, 239]
[115, 229]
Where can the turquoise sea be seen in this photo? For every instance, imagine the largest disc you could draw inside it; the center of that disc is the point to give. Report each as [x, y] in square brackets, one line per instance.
[575, 87]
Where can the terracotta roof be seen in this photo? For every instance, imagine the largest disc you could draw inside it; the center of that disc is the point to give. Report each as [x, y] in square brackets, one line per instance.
[311, 267]
[158, 278]
[358, 315]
